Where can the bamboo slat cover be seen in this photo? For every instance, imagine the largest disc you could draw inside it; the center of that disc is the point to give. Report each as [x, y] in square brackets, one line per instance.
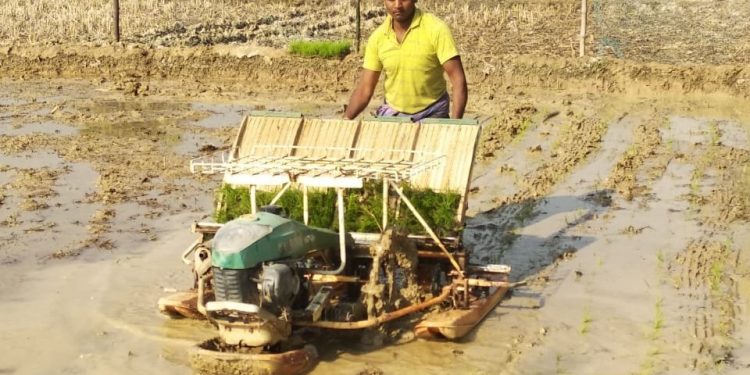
[328, 133]
[260, 130]
[457, 143]
[380, 135]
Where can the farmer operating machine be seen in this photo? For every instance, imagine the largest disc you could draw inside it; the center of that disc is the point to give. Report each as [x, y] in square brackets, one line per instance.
[365, 248]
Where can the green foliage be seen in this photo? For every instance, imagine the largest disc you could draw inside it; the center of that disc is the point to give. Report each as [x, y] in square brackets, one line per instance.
[363, 208]
[322, 48]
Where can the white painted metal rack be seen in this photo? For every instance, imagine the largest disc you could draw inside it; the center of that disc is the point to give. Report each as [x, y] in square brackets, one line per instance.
[280, 164]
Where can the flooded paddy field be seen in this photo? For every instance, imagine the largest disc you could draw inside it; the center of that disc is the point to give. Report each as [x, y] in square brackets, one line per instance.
[625, 214]
[616, 185]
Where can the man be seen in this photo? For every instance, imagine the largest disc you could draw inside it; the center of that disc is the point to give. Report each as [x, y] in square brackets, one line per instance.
[413, 48]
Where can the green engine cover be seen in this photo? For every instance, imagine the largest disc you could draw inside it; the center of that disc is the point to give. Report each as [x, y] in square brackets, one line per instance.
[250, 240]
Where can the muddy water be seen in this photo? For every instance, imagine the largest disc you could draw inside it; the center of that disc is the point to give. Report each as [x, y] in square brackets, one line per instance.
[96, 312]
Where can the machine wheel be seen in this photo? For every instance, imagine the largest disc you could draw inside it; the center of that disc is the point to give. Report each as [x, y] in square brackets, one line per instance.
[210, 357]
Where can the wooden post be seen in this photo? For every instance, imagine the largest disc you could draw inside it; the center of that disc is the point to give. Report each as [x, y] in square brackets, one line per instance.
[428, 229]
[385, 204]
[581, 45]
[342, 230]
[280, 193]
[116, 16]
[358, 21]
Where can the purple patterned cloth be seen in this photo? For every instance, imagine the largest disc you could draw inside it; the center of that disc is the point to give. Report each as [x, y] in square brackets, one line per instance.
[438, 109]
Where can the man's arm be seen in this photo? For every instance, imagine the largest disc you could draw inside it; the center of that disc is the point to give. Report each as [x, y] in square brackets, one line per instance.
[455, 70]
[361, 96]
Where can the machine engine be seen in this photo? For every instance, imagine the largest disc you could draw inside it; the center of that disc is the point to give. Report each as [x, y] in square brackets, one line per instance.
[273, 286]
[268, 277]
[256, 262]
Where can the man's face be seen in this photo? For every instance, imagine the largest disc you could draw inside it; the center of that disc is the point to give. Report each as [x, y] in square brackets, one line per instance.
[400, 10]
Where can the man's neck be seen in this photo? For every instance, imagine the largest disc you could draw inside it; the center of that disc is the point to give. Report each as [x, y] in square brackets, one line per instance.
[401, 26]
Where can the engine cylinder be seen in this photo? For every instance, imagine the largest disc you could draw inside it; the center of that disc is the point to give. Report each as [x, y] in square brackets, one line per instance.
[235, 285]
[279, 285]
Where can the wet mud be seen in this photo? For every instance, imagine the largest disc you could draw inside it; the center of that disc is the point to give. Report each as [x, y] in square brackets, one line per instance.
[121, 217]
[617, 190]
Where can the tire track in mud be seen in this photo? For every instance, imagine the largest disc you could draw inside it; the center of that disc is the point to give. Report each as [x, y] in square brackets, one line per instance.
[554, 230]
[490, 233]
[657, 275]
[704, 274]
[701, 275]
[731, 196]
[560, 224]
[607, 290]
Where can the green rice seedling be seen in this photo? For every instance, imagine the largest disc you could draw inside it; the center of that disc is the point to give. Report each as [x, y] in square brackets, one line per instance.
[585, 321]
[363, 208]
[321, 48]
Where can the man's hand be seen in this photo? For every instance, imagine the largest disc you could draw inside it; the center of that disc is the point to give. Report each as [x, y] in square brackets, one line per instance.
[361, 96]
[455, 70]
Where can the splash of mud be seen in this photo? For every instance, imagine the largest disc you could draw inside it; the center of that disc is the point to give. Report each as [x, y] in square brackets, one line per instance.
[392, 282]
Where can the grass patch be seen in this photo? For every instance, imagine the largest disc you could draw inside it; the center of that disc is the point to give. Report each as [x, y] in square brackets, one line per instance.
[320, 48]
[363, 208]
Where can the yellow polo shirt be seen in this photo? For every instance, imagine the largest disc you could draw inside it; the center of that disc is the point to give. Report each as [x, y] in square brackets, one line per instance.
[414, 67]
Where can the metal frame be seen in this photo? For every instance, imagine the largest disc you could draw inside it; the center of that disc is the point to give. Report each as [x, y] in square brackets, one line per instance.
[262, 167]
[368, 164]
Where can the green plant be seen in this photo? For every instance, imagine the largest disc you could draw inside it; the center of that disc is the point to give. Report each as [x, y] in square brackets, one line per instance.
[586, 321]
[658, 318]
[321, 48]
[526, 211]
[363, 208]
[522, 128]
[716, 274]
[558, 365]
[648, 366]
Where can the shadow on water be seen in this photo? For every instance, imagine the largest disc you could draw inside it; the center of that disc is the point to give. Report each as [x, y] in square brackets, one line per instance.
[530, 235]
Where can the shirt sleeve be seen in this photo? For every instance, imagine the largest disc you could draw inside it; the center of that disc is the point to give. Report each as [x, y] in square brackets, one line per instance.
[372, 59]
[445, 46]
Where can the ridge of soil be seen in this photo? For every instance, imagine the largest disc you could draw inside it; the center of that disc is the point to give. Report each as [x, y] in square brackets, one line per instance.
[269, 69]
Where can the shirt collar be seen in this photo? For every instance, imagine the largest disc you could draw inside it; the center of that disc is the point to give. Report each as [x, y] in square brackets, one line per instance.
[415, 21]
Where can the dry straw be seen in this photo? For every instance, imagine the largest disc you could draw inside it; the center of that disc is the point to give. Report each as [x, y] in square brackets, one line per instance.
[91, 20]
